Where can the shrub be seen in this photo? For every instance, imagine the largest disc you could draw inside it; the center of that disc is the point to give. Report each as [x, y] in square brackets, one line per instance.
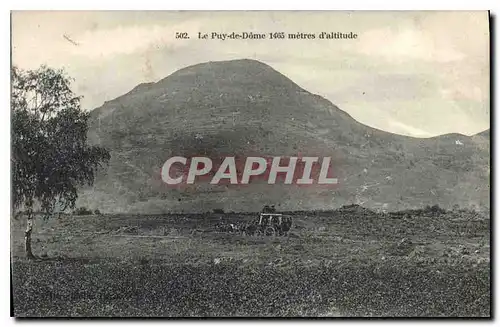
[435, 209]
[82, 211]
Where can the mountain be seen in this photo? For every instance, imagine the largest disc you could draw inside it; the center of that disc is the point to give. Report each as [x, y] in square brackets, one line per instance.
[245, 107]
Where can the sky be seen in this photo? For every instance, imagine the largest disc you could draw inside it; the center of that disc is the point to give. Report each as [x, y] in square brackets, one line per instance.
[412, 73]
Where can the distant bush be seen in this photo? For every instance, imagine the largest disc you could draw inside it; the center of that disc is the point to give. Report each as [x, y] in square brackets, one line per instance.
[97, 212]
[434, 209]
[218, 211]
[82, 211]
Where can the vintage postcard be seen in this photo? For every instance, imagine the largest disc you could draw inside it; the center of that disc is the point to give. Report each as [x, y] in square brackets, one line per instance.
[250, 164]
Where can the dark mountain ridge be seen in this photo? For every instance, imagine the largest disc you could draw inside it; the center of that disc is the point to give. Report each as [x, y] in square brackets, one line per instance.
[245, 107]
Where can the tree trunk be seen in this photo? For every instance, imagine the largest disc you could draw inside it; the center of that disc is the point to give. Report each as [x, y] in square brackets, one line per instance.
[27, 238]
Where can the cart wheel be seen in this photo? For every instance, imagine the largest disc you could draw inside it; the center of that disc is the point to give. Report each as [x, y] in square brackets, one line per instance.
[270, 231]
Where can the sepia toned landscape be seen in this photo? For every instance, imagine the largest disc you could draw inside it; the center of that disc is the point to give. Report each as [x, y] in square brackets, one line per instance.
[96, 231]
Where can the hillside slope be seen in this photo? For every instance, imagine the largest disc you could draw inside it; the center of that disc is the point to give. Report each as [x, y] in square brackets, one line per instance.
[245, 107]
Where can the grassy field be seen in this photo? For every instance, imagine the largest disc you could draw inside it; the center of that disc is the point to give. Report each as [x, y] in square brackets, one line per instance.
[343, 263]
